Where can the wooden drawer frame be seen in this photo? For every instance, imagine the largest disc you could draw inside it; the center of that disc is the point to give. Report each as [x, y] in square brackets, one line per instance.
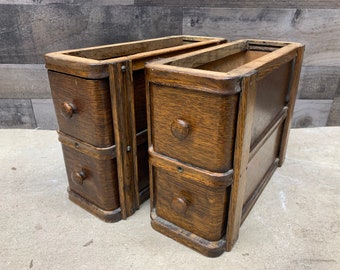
[115, 65]
[197, 72]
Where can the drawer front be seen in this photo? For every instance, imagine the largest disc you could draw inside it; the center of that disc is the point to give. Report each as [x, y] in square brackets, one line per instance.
[83, 108]
[194, 127]
[195, 208]
[93, 179]
[92, 172]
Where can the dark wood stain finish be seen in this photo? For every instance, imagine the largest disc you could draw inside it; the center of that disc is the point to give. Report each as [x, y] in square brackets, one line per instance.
[100, 103]
[218, 112]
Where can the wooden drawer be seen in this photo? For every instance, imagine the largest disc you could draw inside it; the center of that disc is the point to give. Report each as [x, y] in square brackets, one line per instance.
[83, 108]
[99, 98]
[193, 113]
[190, 198]
[185, 126]
[225, 109]
[80, 83]
[93, 178]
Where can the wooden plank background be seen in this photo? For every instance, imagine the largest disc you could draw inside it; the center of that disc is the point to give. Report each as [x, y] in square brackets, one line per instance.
[311, 4]
[29, 31]
[30, 28]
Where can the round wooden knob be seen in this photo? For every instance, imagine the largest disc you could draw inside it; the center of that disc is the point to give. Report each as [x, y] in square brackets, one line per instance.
[78, 177]
[68, 109]
[180, 129]
[179, 205]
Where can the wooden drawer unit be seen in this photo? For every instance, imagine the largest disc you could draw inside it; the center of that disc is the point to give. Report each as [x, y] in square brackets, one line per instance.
[92, 174]
[99, 99]
[192, 199]
[224, 110]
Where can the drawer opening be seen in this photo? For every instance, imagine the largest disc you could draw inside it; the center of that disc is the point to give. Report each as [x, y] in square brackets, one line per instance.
[121, 50]
[233, 61]
[226, 58]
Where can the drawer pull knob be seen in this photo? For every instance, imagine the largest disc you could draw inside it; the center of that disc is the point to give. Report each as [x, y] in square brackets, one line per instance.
[68, 109]
[78, 177]
[180, 129]
[179, 205]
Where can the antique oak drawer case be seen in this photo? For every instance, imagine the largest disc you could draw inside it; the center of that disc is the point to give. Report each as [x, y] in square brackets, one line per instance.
[218, 122]
[100, 103]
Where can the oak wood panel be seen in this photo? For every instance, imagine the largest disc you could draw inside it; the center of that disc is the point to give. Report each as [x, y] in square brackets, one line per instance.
[201, 211]
[209, 143]
[123, 115]
[100, 185]
[261, 163]
[91, 104]
[293, 88]
[271, 97]
[241, 157]
[199, 244]
[318, 30]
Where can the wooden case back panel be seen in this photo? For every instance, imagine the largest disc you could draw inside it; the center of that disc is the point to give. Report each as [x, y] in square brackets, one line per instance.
[261, 167]
[195, 208]
[193, 126]
[140, 100]
[271, 97]
[143, 167]
[83, 108]
[99, 185]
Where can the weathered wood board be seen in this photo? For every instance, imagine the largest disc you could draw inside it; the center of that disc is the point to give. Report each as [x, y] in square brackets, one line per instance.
[24, 81]
[29, 31]
[319, 82]
[317, 29]
[311, 113]
[313, 4]
[47, 2]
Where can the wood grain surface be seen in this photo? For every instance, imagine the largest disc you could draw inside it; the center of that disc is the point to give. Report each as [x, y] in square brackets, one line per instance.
[312, 4]
[30, 31]
[317, 29]
[188, 120]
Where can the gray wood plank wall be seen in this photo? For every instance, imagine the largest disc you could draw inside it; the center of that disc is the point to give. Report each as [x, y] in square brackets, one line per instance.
[30, 28]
